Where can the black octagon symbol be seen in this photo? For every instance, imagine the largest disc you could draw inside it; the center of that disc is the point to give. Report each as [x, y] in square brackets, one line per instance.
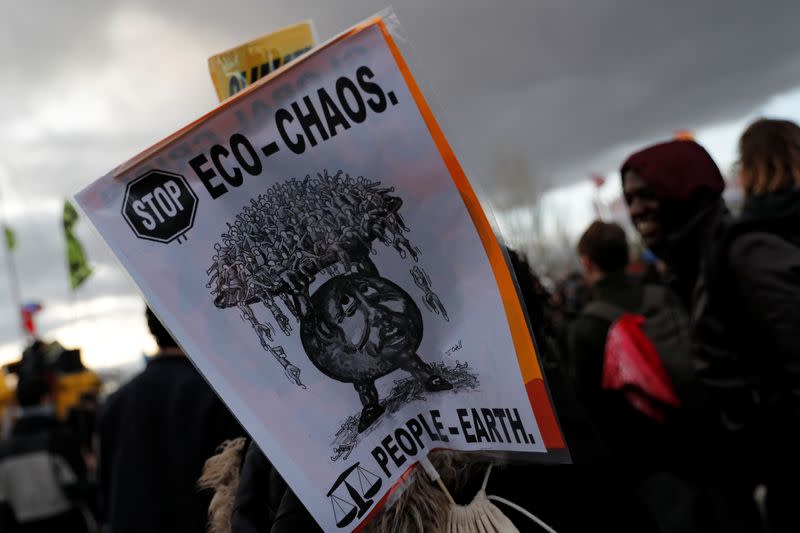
[159, 206]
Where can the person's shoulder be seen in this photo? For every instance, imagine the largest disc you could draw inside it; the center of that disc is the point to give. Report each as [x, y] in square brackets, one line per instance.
[599, 311]
[61, 435]
[109, 408]
[655, 288]
[158, 369]
[124, 390]
[178, 371]
[30, 434]
[585, 319]
[761, 251]
[586, 328]
[119, 397]
[657, 295]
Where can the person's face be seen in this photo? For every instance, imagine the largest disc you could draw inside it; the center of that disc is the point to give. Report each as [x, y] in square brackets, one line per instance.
[372, 316]
[644, 207]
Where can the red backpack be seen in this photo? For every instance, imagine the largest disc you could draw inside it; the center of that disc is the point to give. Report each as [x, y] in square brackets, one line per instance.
[648, 354]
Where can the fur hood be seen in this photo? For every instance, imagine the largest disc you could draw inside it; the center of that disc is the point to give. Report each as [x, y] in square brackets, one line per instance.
[420, 505]
[221, 474]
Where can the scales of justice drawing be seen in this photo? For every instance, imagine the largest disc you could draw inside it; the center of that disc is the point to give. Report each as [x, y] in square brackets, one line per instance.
[356, 326]
[352, 494]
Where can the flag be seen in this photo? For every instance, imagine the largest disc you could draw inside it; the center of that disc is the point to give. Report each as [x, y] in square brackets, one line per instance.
[599, 180]
[79, 268]
[11, 239]
[28, 310]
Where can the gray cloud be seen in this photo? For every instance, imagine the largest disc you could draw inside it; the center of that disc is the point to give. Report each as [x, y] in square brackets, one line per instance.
[557, 80]
[41, 39]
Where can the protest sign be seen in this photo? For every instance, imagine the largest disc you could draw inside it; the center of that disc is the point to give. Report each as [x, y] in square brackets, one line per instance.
[315, 247]
[235, 69]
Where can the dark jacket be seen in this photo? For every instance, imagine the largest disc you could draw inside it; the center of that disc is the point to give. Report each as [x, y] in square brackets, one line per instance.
[42, 477]
[634, 440]
[587, 334]
[766, 266]
[264, 503]
[156, 433]
[754, 291]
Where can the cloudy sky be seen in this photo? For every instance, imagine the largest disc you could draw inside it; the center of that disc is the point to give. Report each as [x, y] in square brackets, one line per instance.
[566, 87]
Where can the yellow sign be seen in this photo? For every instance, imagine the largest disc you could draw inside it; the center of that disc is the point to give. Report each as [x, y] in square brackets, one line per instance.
[70, 387]
[235, 69]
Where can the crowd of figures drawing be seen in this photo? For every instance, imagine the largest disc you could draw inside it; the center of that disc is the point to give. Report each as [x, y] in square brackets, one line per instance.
[357, 326]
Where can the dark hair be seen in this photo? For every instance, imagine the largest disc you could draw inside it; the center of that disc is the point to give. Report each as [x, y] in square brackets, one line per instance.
[769, 156]
[159, 332]
[31, 390]
[606, 245]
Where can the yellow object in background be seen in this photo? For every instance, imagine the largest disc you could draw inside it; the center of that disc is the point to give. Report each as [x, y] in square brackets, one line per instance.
[6, 395]
[69, 388]
[237, 68]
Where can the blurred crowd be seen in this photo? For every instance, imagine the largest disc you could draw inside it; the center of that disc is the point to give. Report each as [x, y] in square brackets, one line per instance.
[673, 365]
[686, 359]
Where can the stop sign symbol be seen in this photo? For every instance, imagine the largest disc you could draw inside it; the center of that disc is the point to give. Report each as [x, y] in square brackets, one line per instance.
[159, 206]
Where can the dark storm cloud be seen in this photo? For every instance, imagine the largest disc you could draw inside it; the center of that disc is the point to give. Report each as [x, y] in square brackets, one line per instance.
[559, 81]
[41, 39]
[565, 80]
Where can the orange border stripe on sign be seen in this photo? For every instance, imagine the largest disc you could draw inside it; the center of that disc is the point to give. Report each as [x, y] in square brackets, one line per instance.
[516, 320]
[523, 344]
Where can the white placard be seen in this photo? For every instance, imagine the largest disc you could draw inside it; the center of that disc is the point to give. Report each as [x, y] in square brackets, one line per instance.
[315, 248]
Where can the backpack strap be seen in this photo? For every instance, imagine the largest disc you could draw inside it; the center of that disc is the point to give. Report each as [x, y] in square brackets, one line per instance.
[654, 297]
[604, 311]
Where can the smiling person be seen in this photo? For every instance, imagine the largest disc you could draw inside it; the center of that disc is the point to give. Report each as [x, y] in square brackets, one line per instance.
[674, 195]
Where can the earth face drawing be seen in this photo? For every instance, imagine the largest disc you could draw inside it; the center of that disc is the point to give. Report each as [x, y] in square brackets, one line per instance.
[357, 326]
